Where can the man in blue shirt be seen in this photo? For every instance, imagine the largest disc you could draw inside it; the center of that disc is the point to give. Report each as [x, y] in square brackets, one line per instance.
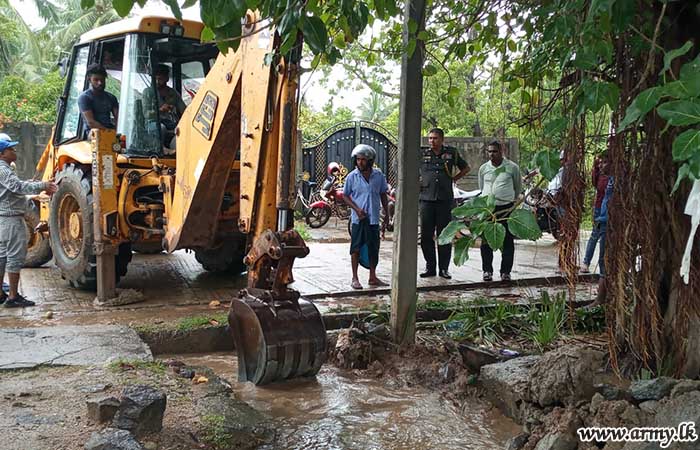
[96, 104]
[365, 187]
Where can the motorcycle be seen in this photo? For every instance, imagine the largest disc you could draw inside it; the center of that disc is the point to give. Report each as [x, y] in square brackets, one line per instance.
[332, 203]
[542, 203]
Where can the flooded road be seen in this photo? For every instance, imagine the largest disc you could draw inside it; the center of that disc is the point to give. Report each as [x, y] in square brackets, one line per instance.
[338, 410]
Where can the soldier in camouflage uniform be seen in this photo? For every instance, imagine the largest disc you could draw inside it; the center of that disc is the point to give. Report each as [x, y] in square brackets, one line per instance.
[437, 198]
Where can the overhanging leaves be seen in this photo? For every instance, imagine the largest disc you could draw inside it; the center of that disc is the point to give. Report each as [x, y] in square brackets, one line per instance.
[494, 233]
[680, 112]
[640, 106]
[523, 224]
[673, 54]
[315, 34]
[686, 145]
[122, 7]
[449, 232]
[462, 250]
[547, 161]
[597, 94]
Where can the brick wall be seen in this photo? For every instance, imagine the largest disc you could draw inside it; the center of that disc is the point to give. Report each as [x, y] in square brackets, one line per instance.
[32, 141]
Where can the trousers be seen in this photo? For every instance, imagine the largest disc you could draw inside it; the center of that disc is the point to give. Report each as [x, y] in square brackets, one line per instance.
[434, 216]
[508, 252]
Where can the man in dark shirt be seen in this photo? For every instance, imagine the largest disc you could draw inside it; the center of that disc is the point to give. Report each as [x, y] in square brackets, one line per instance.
[97, 105]
[436, 199]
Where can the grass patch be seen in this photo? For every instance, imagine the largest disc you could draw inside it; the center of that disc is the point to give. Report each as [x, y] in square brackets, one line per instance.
[120, 365]
[194, 322]
[300, 227]
[215, 432]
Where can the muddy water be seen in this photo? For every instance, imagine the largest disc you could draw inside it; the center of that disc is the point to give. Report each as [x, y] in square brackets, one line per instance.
[341, 411]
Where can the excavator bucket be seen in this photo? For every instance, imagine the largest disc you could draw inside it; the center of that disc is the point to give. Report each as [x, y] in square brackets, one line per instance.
[275, 343]
[277, 335]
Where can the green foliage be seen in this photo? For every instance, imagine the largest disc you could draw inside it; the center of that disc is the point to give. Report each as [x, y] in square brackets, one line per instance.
[194, 322]
[312, 123]
[122, 364]
[216, 433]
[547, 320]
[32, 102]
[523, 224]
[300, 227]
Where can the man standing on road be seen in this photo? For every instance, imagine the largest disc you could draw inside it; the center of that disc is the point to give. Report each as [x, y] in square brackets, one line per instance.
[96, 104]
[500, 177]
[436, 199]
[365, 187]
[13, 233]
[600, 182]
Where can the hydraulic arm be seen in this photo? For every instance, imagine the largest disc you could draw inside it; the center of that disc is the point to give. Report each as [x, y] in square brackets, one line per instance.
[247, 106]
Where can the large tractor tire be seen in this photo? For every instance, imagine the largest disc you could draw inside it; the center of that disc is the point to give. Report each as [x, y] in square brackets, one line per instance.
[39, 247]
[227, 257]
[71, 230]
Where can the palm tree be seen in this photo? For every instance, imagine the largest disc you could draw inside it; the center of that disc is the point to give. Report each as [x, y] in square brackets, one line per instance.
[376, 107]
[31, 54]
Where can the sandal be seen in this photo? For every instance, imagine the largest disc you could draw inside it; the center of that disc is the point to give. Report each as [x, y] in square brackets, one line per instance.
[378, 283]
[356, 284]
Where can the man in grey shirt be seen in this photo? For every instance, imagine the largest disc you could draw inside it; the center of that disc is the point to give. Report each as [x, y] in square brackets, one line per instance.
[13, 234]
[505, 187]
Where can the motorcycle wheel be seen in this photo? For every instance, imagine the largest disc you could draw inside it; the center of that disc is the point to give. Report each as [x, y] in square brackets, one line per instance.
[318, 217]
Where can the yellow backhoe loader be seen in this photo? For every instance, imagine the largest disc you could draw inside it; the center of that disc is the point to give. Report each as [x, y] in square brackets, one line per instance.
[220, 183]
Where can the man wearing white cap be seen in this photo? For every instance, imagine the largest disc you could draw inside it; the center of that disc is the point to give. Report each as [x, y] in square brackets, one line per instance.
[13, 235]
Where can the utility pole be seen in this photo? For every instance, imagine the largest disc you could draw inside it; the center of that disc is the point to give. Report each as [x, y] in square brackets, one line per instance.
[404, 267]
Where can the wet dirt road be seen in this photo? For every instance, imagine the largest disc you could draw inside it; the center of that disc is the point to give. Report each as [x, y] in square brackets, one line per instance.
[175, 286]
[339, 410]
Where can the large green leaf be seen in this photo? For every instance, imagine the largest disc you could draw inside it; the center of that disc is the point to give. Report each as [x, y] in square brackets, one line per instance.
[686, 171]
[680, 112]
[523, 224]
[597, 94]
[175, 8]
[547, 162]
[220, 13]
[673, 54]
[555, 126]
[641, 105]
[684, 88]
[448, 233]
[686, 145]
[690, 69]
[462, 250]
[494, 233]
[315, 34]
[122, 7]
[472, 207]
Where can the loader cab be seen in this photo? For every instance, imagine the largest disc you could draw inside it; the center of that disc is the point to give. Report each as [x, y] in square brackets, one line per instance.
[130, 58]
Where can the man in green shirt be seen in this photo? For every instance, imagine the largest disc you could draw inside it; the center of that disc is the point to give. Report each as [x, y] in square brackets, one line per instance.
[505, 185]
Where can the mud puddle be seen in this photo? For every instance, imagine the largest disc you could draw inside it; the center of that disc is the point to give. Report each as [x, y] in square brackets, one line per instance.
[339, 410]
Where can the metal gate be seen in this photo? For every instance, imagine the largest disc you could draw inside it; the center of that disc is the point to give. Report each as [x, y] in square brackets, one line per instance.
[336, 144]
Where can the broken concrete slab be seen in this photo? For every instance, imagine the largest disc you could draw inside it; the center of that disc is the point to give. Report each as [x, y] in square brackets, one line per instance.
[507, 383]
[69, 346]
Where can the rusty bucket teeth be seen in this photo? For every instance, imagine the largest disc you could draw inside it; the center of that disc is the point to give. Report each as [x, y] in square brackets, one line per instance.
[275, 345]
